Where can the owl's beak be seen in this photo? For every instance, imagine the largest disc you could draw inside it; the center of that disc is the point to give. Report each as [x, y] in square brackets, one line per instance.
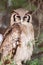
[21, 20]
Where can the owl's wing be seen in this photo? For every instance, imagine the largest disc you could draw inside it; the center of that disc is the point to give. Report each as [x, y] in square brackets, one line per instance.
[10, 43]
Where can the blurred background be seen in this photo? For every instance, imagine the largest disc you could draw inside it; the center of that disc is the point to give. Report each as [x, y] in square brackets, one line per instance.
[7, 6]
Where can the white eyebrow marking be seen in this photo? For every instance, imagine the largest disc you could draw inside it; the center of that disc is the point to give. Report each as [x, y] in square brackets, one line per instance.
[21, 19]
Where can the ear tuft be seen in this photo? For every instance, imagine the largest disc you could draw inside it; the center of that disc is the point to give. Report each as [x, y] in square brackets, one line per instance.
[14, 11]
[29, 12]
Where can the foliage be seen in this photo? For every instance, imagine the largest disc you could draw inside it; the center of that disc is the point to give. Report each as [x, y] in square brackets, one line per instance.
[0, 62]
[24, 4]
[33, 62]
[18, 3]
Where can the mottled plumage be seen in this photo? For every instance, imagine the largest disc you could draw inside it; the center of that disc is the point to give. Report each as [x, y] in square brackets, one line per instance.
[21, 37]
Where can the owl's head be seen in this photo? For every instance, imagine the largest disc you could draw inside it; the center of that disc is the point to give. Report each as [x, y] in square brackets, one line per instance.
[21, 16]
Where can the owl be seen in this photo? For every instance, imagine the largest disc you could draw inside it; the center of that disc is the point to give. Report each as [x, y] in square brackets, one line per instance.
[19, 39]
